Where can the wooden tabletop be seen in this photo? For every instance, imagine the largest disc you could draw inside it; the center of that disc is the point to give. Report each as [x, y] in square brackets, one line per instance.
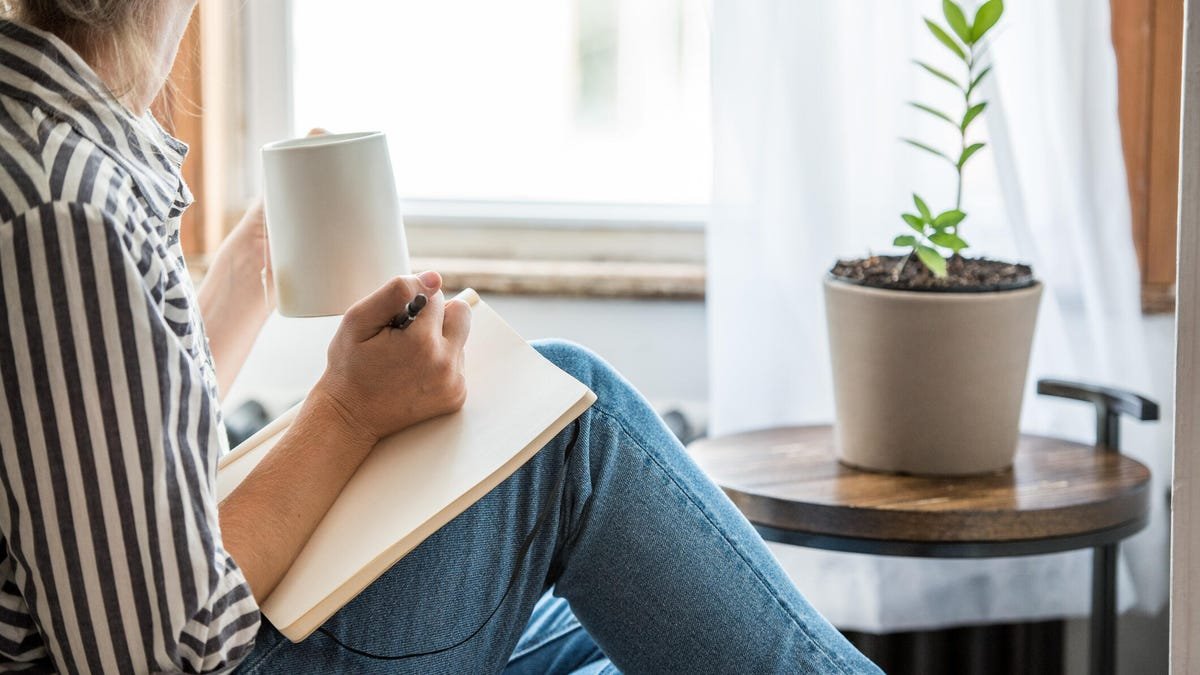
[789, 479]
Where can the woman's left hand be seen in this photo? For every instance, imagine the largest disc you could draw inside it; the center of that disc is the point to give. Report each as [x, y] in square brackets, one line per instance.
[250, 238]
[250, 234]
[238, 294]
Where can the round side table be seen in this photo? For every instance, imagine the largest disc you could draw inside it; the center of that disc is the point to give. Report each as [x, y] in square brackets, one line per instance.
[1059, 496]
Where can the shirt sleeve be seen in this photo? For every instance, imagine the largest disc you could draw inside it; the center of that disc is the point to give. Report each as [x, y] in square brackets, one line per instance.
[109, 442]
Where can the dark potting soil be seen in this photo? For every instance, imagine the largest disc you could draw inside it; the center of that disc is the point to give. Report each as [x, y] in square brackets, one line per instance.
[906, 273]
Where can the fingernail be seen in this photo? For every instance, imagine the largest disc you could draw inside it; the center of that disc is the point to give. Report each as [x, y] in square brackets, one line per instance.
[430, 279]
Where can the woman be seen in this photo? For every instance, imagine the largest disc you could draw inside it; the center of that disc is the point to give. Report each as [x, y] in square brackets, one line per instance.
[117, 557]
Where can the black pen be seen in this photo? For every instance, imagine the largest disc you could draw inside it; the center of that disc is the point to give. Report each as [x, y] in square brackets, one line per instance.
[411, 311]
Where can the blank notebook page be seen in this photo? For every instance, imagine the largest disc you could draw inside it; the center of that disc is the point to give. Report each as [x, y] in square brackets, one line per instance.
[414, 482]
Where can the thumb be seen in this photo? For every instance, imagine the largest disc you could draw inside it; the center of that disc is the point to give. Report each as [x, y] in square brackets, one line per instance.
[368, 316]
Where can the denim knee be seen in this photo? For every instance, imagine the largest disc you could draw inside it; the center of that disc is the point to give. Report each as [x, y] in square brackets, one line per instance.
[614, 394]
[578, 361]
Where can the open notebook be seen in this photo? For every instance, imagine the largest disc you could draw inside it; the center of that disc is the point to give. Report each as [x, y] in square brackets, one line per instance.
[415, 481]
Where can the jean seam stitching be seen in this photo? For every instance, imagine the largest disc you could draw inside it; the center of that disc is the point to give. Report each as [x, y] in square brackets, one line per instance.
[831, 659]
[267, 656]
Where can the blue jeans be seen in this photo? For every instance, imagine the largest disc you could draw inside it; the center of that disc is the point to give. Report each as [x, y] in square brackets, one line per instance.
[622, 531]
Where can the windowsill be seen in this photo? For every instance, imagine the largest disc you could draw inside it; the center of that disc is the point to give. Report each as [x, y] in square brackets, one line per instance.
[570, 278]
[562, 278]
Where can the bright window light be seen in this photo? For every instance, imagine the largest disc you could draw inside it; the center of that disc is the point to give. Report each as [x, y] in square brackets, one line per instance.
[565, 101]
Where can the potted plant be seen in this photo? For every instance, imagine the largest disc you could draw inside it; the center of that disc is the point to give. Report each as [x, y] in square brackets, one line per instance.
[930, 348]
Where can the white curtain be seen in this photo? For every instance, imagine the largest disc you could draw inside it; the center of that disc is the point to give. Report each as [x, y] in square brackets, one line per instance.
[809, 104]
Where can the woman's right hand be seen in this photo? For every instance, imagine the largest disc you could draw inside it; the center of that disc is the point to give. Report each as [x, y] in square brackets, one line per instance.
[378, 380]
[381, 379]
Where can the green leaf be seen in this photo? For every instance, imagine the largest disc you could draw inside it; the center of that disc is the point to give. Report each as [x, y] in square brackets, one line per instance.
[957, 20]
[933, 260]
[949, 218]
[926, 148]
[932, 111]
[986, 17]
[939, 74]
[944, 38]
[914, 222]
[971, 150]
[923, 208]
[978, 78]
[972, 113]
[946, 240]
[905, 240]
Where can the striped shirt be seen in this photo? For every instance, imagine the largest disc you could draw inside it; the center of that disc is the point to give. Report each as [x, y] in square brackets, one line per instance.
[110, 553]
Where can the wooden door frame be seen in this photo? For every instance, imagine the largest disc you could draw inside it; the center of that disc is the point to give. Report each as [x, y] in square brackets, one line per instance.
[1185, 502]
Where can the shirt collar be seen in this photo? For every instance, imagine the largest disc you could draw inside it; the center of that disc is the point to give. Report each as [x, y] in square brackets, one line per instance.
[43, 71]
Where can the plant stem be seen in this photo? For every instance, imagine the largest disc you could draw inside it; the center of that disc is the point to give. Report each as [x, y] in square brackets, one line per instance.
[958, 168]
[958, 194]
[899, 269]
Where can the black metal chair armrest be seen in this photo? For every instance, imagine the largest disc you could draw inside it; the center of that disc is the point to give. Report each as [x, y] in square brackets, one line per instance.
[1110, 404]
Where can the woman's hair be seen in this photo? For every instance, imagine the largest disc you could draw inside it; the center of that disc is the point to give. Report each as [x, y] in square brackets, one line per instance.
[114, 30]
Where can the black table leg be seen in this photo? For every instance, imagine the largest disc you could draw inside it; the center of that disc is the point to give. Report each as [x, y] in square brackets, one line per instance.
[1104, 610]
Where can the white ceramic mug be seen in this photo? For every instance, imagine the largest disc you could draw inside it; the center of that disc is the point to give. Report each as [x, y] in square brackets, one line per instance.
[334, 221]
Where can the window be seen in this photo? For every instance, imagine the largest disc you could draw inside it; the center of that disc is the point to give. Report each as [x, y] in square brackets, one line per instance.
[530, 129]
[573, 133]
[540, 146]
[546, 101]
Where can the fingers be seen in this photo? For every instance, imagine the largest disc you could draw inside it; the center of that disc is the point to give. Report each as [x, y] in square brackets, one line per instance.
[368, 316]
[429, 324]
[456, 324]
[317, 131]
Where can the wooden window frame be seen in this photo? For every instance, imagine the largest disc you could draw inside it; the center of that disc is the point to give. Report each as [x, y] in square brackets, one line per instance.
[200, 107]
[1148, 40]
[179, 109]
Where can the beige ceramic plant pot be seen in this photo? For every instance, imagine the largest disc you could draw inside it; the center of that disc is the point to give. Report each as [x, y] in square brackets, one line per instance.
[929, 383]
